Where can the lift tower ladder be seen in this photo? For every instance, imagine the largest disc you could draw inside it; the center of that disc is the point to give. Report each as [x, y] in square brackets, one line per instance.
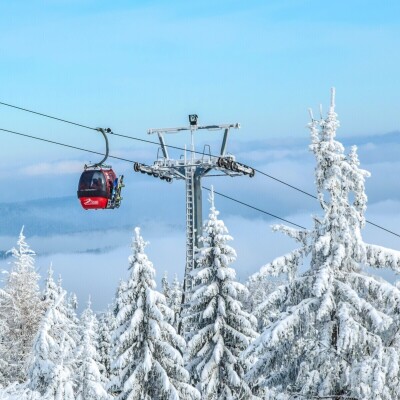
[190, 230]
[192, 169]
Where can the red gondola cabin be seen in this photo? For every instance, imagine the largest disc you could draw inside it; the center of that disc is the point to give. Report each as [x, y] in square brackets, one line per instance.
[97, 188]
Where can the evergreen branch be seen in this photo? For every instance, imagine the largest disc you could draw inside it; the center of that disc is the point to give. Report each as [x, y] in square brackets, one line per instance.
[382, 257]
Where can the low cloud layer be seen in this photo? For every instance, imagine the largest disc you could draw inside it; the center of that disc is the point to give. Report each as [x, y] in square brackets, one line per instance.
[93, 263]
[90, 249]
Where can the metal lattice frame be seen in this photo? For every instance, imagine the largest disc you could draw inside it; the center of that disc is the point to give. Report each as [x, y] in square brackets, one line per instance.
[192, 169]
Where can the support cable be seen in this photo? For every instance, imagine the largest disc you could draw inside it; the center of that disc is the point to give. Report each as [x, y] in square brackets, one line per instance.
[63, 144]
[285, 183]
[254, 208]
[132, 162]
[47, 116]
[179, 148]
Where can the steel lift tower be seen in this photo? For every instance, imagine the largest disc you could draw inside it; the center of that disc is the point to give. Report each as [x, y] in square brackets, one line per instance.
[192, 169]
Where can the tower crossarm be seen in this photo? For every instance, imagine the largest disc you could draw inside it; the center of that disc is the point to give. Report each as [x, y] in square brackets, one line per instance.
[169, 169]
[193, 127]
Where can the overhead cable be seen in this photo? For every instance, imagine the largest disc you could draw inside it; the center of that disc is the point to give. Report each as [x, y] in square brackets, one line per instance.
[62, 144]
[254, 208]
[132, 162]
[48, 116]
[177, 148]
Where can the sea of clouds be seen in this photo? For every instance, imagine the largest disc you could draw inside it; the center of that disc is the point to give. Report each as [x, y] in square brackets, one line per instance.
[90, 249]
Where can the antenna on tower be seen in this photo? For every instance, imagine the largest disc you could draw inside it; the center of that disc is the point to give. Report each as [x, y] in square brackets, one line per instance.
[192, 169]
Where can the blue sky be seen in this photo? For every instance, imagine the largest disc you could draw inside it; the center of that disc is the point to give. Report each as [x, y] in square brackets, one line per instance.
[133, 65]
[137, 64]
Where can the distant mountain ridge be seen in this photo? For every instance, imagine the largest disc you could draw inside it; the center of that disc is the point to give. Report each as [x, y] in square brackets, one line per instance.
[50, 216]
[4, 254]
[64, 215]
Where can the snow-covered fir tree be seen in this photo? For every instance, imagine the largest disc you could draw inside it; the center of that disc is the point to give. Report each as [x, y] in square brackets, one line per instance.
[3, 355]
[73, 302]
[89, 384]
[104, 345]
[71, 306]
[175, 301]
[5, 301]
[50, 373]
[173, 296]
[54, 350]
[23, 311]
[165, 286]
[50, 291]
[63, 377]
[329, 332]
[149, 363]
[219, 329]
[113, 384]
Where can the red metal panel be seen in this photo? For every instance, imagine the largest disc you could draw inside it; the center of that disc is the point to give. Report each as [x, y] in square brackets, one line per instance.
[93, 203]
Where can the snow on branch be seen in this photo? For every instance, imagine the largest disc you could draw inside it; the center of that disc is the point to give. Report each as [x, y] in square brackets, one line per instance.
[383, 292]
[297, 234]
[380, 321]
[286, 264]
[382, 257]
[284, 329]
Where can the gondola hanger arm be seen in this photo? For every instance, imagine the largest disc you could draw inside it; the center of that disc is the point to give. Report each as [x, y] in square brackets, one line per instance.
[104, 133]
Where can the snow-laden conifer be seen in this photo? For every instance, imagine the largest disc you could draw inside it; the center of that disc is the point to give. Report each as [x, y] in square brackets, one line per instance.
[172, 292]
[5, 301]
[149, 363]
[50, 372]
[73, 302]
[106, 326]
[165, 287]
[219, 329]
[329, 331]
[175, 301]
[71, 306]
[89, 384]
[63, 377]
[51, 293]
[113, 384]
[23, 311]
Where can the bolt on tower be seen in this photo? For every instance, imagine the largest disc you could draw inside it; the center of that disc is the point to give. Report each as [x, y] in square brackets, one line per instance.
[192, 169]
